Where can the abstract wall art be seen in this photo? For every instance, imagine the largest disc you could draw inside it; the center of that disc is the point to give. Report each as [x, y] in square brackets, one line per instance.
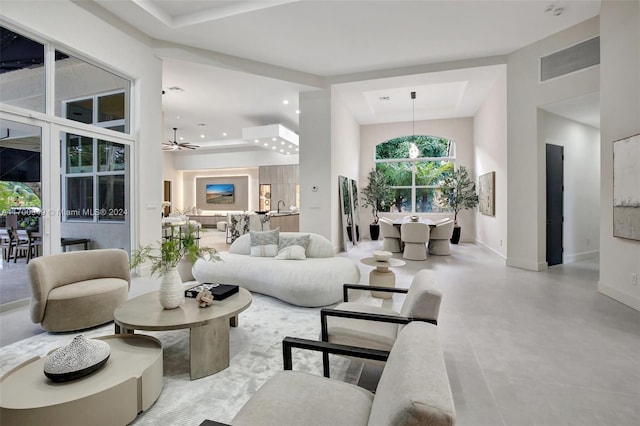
[626, 188]
[486, 194]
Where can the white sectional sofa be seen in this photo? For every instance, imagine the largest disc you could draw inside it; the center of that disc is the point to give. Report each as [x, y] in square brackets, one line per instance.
[314, 281]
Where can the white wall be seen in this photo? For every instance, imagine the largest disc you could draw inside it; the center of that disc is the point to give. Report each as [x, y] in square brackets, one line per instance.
[318, 196]
[619, 117]
[203, 159]
[459, 130]
[189, 185]
[490, 148]
[345, 161]
[70, 25]
[581, 230]
[526, 230]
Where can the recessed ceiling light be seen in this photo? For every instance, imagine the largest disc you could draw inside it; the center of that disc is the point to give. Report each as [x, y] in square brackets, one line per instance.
[181, 138]
[297, 111]
[297, 149]
[178, 117]
[282, 150]
[286, 102]
[202, 136]
[256, 140]
[281, 142]
[224, 133]
[273, 147]
[265, 144]
[288, 153]
[289, 146]
[274, 139]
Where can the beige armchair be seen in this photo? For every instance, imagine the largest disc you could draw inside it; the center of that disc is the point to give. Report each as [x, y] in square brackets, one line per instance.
[78, 290]
[413, 389]
[415, 236]
[391, 235]
[368, 326]
[440, 236]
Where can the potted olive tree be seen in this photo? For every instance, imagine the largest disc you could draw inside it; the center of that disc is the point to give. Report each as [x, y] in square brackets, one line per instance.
[458, 192]
[376, 195]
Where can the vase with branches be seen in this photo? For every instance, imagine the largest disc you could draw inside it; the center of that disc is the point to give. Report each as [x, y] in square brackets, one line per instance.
[376, 195]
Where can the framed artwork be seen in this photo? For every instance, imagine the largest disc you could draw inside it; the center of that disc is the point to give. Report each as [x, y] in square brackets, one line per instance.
[486, 194]
[220, 193]
[626, 188]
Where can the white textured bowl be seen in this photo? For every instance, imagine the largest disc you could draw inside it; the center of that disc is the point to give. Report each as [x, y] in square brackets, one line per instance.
[382, 256]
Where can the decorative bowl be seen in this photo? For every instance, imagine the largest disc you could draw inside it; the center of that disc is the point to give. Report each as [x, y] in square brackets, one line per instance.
[382, 256]
[414, 218]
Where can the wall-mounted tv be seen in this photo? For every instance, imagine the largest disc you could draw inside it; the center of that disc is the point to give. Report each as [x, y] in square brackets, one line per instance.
[220, 193]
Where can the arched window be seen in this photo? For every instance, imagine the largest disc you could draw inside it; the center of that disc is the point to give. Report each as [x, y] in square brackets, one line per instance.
[415, 167]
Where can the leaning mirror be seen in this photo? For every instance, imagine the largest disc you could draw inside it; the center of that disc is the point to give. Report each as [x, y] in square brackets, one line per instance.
[345, 208]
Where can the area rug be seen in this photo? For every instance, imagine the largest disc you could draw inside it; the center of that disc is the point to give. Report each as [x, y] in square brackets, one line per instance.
[256, 355]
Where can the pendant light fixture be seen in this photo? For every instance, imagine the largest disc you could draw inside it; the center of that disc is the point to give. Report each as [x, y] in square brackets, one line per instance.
[413, 148]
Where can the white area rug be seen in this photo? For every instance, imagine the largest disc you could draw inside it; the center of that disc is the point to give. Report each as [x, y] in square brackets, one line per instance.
[256, 355]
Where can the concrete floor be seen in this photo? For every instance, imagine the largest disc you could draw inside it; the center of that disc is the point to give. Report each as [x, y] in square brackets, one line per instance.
[521, 348]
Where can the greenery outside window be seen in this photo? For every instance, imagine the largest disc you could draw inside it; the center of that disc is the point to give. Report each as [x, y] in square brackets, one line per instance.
[94, 184]
[415, 181]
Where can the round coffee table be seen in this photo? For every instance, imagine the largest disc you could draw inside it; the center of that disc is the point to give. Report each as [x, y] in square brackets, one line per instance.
[209, 327]
[130, 382]
[382, 275]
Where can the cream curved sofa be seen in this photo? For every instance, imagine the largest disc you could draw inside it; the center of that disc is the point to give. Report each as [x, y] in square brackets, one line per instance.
[314, 281]
[78, 290]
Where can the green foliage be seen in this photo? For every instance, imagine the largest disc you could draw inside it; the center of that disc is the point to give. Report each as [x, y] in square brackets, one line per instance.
[428, 146]
[166, 256]
[377, 194]
[458, 192]
[17, 194]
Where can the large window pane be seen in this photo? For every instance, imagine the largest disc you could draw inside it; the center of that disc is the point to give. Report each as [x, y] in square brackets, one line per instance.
[110, 156]
[401, 200]
[22, 77]
[79, 154]
[79, 198]
[432, 173]
[90, 94]
[111, 195]
[397, 174]
[428, 146]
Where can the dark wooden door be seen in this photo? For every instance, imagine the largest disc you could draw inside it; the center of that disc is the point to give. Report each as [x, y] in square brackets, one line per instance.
[555, 194]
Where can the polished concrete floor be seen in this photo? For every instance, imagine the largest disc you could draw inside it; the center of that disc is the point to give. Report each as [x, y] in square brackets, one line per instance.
[521, 347]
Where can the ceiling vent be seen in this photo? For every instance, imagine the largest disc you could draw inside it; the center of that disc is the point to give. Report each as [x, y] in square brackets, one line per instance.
[577, 57]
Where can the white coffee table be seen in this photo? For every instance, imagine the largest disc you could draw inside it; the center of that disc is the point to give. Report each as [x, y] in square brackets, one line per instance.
[130, 382]
[208, 327]
[382, 275]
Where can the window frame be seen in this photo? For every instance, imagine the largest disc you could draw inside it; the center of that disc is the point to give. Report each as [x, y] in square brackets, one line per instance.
[413, 162]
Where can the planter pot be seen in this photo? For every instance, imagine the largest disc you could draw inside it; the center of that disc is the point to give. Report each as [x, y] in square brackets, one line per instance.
[374, 231]
[171, 290]
[455, 237]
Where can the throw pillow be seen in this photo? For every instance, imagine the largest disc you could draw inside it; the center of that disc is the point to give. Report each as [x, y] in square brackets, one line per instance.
[264, 243]
[301, 240]
[293, 247]
[291, 253]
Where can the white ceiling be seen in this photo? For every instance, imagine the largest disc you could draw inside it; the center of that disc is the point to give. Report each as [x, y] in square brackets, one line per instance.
[333, 39]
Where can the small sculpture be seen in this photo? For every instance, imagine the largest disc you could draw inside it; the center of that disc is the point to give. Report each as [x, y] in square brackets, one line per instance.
[204, 298]
[79, 358]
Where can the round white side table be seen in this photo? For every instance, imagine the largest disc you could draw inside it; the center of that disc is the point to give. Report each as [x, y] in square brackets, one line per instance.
[382, 275]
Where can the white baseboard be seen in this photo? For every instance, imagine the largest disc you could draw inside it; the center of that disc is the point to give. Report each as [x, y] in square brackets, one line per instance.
[527, 264]
[481, 244]
[621, 296]
[570, 258]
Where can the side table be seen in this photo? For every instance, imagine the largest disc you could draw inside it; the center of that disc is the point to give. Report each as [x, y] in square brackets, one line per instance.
[130, 382]
[382, 275]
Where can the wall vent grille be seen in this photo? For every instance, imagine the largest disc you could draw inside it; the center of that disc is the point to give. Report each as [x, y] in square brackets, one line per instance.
[577, 57]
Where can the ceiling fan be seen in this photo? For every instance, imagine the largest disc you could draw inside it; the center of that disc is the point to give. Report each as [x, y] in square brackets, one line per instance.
[175, 145]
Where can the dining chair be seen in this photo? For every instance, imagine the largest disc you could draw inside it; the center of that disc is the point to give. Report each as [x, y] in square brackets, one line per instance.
[440, 236]
[22, 244]
[6, 243]
[390, 234]
[415, 236]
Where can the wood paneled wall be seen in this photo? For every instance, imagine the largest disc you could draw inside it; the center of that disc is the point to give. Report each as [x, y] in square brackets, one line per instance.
[284, 182]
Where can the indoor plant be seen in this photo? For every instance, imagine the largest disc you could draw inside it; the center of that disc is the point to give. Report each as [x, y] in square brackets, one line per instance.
[181, 243]
[458, 192]
[376, 194]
